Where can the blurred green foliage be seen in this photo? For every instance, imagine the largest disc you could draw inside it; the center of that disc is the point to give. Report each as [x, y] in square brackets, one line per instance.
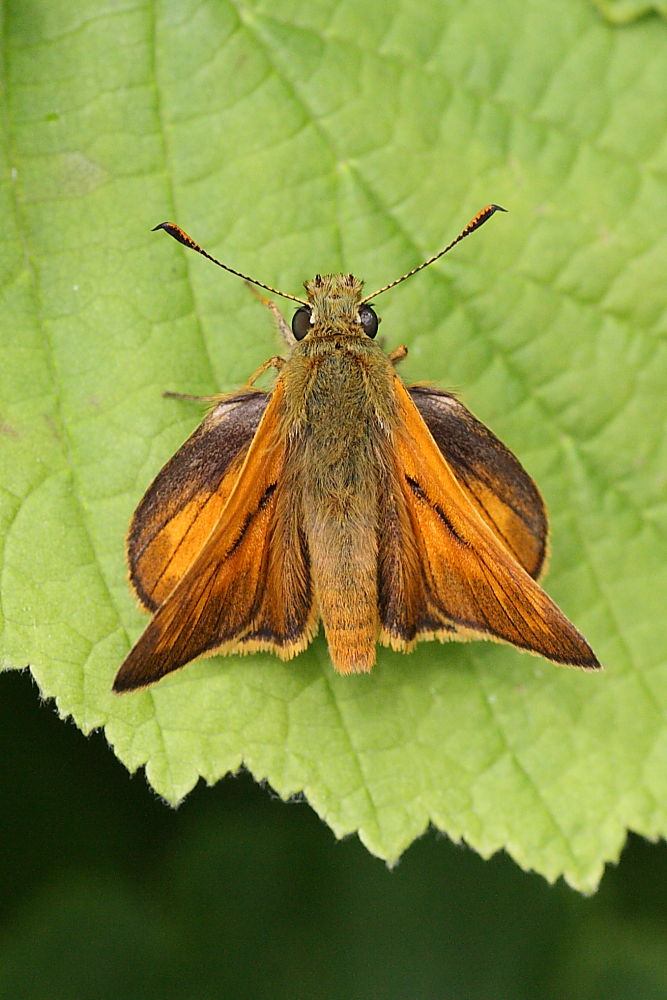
[105, 892]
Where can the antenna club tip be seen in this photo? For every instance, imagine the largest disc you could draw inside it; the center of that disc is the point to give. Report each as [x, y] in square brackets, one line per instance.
[486, 213]
[178, 234]
[480, 219]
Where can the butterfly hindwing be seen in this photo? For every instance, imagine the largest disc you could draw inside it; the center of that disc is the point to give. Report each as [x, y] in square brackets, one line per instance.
[496, 482]
[185, 500]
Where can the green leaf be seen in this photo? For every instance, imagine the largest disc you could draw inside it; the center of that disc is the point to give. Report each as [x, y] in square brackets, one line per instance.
[624, 11]
[290, 139]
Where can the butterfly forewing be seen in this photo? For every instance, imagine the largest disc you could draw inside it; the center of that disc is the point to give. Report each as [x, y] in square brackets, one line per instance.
[220, 598]
[473, 586]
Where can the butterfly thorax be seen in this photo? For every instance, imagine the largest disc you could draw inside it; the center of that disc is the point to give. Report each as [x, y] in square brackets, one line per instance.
[338, 386]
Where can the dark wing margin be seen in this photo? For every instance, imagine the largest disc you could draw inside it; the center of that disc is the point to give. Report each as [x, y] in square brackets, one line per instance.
[496, 482]
[184, 501]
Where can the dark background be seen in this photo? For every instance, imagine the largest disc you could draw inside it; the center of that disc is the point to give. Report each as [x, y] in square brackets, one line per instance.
[108, 892]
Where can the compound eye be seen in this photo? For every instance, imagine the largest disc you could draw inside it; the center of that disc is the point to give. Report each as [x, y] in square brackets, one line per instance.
[369, 320]
[301, 322]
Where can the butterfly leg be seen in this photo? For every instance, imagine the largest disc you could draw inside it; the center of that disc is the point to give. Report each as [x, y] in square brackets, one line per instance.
[167, 394]
[284, 328]
[398, 354]
[275, 362]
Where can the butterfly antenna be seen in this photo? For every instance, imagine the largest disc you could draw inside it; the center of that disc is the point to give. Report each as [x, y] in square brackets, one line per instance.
[474, 224]
[187, 241]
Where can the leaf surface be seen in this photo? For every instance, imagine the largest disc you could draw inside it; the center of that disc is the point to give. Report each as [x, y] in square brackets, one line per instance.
[292, 139]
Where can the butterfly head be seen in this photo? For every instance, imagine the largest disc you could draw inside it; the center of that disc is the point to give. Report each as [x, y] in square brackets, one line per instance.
[334, 305]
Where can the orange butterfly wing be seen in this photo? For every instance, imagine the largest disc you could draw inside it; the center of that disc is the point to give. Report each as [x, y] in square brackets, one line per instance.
[248, 587]
[457, 579]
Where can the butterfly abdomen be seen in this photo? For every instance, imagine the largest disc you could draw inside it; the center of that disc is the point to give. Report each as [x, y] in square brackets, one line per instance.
[339, 454]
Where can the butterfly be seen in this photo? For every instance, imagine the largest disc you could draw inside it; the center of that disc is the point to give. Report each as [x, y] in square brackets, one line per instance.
[342, 496]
